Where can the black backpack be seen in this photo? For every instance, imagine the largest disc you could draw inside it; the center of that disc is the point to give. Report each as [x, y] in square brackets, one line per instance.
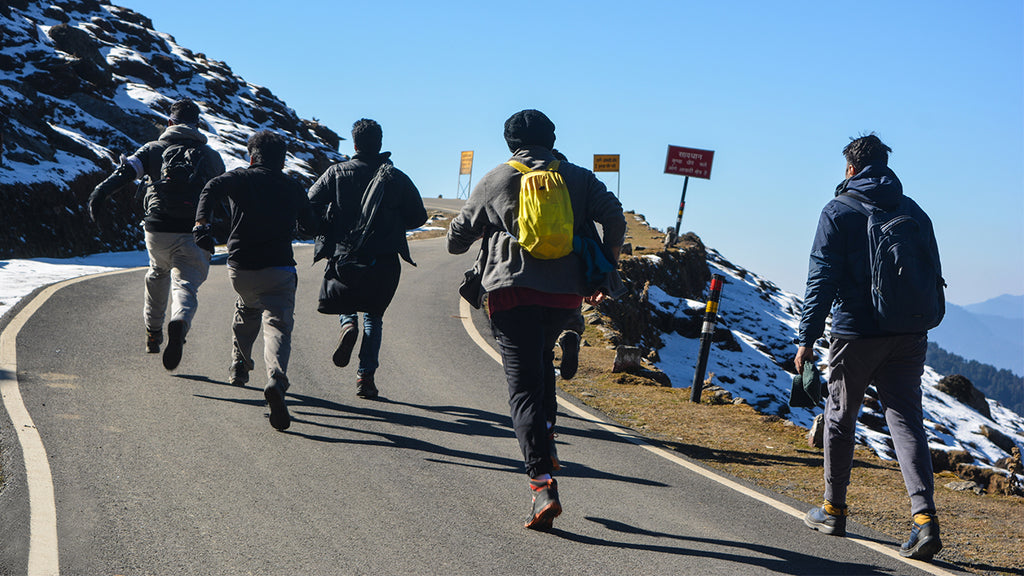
[907, 289]
[176, 194]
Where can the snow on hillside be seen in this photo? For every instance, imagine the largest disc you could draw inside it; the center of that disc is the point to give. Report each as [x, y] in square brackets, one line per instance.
[140, 71]
[83, 83]
[763, 320]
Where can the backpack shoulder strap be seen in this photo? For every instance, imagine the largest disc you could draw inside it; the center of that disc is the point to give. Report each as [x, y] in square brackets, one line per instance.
[856, 202]
[519, 166]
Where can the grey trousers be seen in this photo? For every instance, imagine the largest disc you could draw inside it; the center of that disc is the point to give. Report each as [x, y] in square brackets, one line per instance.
[894, 365]
[177, 267]
[266, 298]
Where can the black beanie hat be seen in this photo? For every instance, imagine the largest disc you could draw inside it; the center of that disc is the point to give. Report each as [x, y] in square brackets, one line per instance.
[529, 127]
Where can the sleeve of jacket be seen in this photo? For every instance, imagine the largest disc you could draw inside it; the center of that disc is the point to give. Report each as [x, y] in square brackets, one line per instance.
[216, 163]
[307, 220]
[606, 210]
[322, 193]
[469, 225]
[413, 212]
[211, 196]
[826, 263]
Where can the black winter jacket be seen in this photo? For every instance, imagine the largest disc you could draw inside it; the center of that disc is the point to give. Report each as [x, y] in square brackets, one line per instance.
[265, 206]
[340, 190]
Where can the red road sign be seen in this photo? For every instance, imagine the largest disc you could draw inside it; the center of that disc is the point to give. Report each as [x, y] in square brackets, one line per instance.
[689, 162]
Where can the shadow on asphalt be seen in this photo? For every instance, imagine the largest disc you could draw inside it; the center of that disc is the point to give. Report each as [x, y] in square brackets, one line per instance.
[777, 560]
[329, 417]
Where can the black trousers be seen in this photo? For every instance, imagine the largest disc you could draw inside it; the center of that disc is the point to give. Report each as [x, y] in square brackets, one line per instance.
[526, 336]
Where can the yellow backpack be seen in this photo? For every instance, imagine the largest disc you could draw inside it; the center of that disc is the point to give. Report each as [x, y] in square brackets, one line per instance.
[545, 212]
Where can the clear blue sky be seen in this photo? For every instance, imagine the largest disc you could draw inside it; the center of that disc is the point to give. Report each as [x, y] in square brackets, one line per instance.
[774, 88]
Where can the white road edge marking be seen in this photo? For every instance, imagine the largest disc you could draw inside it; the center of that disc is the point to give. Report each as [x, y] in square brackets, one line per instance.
[467, 322]
[43, 556]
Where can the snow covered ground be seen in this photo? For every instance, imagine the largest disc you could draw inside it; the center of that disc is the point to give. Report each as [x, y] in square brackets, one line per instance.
[763, 320]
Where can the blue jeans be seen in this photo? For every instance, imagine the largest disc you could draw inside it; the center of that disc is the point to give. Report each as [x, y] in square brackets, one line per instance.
[369, 348]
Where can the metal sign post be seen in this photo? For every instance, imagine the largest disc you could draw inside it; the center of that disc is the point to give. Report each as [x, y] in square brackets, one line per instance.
[465, 167]
[706, 334]
[609, 163]
[688, 162]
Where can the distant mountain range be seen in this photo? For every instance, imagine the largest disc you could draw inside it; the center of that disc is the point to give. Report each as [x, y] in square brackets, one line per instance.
[991, 332]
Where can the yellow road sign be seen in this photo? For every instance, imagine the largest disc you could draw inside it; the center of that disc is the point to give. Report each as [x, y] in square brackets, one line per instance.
[466, 165]
[606, 162]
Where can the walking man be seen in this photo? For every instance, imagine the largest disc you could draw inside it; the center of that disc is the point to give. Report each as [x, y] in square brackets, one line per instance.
[864, 350]
[532, 297]
[265, 205]
[367, 205]
[175, 167]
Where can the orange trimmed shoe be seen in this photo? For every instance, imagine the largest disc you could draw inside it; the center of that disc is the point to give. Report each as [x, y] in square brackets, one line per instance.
[827, 519]
[546, 506]
[924, 539]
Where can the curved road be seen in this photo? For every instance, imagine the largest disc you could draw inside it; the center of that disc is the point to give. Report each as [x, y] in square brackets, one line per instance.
[158, 472]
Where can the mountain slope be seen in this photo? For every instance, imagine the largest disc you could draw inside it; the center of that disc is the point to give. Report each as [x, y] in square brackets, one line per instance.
[760, 321]
[83, 82]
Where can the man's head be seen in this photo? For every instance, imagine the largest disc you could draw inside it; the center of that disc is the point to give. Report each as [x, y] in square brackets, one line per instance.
[184, 111]
[267, 149]
[865, 151]
[367, 136]
[529, 128]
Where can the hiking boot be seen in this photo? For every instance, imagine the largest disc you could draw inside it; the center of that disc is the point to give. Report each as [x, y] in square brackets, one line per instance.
[827, 519]
[365, 388]
[924, 539]
[345, 345]
[569, 342]
[175, 341]
[279, 417]
[555, 463]
[545, 504]
[154, 338]
[238, 374]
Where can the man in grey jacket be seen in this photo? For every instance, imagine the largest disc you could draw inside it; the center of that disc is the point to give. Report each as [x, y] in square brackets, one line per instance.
[177, 267]
[530, 299]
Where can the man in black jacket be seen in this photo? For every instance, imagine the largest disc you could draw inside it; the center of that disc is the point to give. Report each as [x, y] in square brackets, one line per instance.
[177, 267]
[265, 206]
[339, 197]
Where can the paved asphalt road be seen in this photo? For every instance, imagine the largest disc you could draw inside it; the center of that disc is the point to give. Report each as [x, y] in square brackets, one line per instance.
[158, 472]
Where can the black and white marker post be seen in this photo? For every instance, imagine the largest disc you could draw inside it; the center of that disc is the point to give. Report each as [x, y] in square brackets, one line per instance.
[706, 333]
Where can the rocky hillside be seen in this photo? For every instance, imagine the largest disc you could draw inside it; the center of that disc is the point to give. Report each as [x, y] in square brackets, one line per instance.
[82, 82]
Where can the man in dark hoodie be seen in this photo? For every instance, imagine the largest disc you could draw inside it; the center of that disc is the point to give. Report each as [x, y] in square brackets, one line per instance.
[177, 267]
[530, 299]
[861, 353]
[339, 197]
[265, 206]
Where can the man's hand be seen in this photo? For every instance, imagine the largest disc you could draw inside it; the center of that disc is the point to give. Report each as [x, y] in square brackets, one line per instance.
[803, 354]
[596, 298]
[203, 237]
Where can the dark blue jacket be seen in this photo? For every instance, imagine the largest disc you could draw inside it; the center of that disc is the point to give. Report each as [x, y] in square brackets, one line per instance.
[839, 274]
